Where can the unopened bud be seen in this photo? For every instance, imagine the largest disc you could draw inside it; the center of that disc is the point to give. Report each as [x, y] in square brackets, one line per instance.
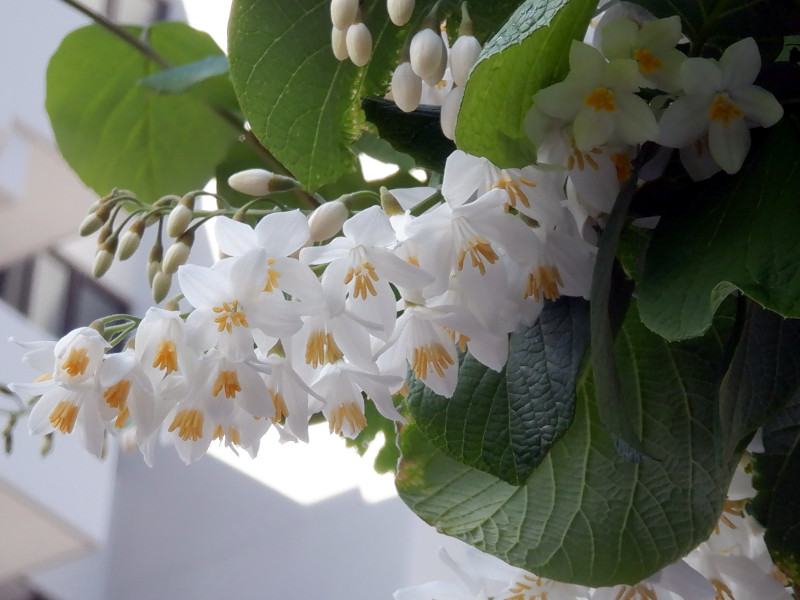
[180, 216]
[406, 87]
[173, 305]
[104, 257]
[359, 44]
[436, 77]
[327, 220]
[449, 114]
[426, 53]
[94, 220]
[389, 203]
[154, 261]
[343, 13]
[130, 240]
[260, 182]
[339, 43]
[161, 284]
[400, 11]
[463, 55]
[177, 254]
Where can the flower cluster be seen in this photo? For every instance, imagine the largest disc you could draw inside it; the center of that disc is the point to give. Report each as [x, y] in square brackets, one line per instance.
[282, 329]
[704, 106]
[733, 563]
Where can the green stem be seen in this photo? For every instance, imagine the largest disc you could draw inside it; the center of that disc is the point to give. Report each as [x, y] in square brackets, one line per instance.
[146, 50]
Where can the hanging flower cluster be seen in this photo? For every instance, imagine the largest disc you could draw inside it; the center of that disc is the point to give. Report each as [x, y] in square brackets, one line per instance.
[733, 563]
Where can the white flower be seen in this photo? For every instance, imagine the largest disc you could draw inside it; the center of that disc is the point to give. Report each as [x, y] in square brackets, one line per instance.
[161, 346]
[406, 87]
[651, 45]
[229, 299]
[722, 101]
[599, 99]
[362, 266]
[359, 44]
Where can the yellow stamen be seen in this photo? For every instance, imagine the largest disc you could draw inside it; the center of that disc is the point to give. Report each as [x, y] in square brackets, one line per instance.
[478, 249]
[76, 362]
[189, 424]
[348, 413]
[117, 397]
[513, 190]
[219, 433]
[544, 280]
[321, 348]
[166, 356]
[229, 381]
[433, 355]
[647, 62]
[580, 159]
[622, 164]
[63, 416]
[230, 316]
[723, 591]
[724, 111]
[272, 277]
[601, 99]
[413, 260]
[458, 338]
[281, 410]
[364, 276]
[45, 377]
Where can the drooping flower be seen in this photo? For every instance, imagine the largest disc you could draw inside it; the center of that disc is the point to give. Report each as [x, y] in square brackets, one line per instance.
[721, 101]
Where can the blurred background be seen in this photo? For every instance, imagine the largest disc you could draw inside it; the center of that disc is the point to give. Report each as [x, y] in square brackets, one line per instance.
[300, 521]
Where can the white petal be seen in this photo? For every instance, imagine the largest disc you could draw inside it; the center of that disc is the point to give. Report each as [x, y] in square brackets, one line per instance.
[370, 227]
[592, 128]
[398, 271]
[729, 143]
[234, 238]
[636, 122]
[320, 255]
[202, 287]
[619, 38]
[282, 233]
[701, 76]
[758, 105]
[740, 63]
[684, 121]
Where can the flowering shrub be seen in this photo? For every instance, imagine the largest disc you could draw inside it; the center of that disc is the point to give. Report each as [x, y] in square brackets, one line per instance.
[574, 330]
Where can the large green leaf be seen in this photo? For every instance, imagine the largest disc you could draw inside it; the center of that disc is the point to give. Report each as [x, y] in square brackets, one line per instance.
[585, 514]
[763, 375]
[505, 423]
[726, 233]
[115, 132]
[719, 23]
[530, 52]
[778, 487]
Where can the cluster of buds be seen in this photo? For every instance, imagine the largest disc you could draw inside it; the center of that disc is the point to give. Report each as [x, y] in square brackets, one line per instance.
[430, 72]
[182, 221]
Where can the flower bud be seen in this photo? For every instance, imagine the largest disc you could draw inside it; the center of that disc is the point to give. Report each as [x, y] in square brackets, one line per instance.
[177, 254]
[463, 55]
[180, 216]
[400, 11]
[327, 220]
[450, 106]
[94, 220]
[359, 44]
[343, 13]
[406, 87]
[130, 240]
[153, 267]
[426, 53]
[260, 182]
[102, 261]
[154, 261]
[339, 43]
[161, 284]
[389, 203]
[436, 77]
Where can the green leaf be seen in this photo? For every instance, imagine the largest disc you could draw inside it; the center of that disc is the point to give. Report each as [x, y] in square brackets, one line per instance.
[115, 132]
[719, 23]
[505, 423]
[179, 79]
[763, 375]
[730, 232]
[389, 454]
[778, 488]
[586, 515]
[530, 52]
